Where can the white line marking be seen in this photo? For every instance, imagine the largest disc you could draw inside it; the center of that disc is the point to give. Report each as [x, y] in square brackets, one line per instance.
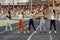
[32, 34]
[8, 30]
[50, 37]
[12, 28]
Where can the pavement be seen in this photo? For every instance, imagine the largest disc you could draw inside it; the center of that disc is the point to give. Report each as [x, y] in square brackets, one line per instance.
[32, 35]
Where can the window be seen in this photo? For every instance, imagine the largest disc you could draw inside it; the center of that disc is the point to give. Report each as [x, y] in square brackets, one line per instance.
[23, 0]
[43, 0]
[6, 2]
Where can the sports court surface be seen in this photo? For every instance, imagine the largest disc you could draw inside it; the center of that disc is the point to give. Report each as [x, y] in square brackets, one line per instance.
[32, 35]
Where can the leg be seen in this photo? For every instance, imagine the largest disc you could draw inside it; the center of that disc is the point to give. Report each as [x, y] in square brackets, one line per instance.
[54, 25]
[51, 22]
[29, 25]
[6, 26]
[33, 25]
[22, 25]
[40, 25]
[10, 26]
[44, 27]
[19, 26]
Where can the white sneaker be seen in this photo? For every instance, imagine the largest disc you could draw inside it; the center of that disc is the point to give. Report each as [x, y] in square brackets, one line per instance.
[18, 31]
[28, 31]
[35, 31]
[55, 32]
[49, 32]
[24, 32]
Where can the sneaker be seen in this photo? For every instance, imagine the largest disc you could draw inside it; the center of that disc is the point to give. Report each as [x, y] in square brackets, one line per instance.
[35, 31]
[18, 31]
[28, 31]
[55, 32]
[49, 32]
[24, 32]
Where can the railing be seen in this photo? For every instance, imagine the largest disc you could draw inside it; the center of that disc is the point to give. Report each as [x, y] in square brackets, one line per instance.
[43, 10]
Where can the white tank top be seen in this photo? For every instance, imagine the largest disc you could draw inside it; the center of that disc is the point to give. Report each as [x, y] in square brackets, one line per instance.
[52, 17]
[20, 16]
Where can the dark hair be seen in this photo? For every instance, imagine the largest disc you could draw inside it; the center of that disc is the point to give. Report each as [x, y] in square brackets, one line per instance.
[18, 13]
[54, 11]
[8, 17]
[43, 13]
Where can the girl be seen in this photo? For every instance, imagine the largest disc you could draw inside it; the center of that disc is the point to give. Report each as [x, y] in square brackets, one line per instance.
[20, 23]
[31, 22]
[8, 23]
[52, 21]
[42, 23]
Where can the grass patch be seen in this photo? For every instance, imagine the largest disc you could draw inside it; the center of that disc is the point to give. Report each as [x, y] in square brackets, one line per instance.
[3, 22]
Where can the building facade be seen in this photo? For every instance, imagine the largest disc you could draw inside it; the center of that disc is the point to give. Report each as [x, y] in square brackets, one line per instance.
[7, 2]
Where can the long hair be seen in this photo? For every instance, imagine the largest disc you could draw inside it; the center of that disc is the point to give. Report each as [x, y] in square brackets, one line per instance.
[8, 17]
[54, 11]
[9, 14]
